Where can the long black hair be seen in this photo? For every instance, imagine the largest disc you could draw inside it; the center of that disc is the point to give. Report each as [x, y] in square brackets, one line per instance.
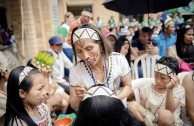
[104, 111]
[181, 47]
[15, 109]
[120, 42]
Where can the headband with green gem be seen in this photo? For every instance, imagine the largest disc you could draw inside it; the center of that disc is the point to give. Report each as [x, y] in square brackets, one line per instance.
[164, 69]
[84, 33]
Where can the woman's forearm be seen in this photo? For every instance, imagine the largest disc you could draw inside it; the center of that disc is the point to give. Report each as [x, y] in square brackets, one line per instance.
[170, 104]
[124, 92]
[74, 102]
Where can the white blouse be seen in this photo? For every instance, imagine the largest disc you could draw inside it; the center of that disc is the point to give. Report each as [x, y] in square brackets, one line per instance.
[118, 68]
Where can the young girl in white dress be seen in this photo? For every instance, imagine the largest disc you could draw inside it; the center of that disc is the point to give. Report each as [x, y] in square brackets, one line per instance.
[161, 101]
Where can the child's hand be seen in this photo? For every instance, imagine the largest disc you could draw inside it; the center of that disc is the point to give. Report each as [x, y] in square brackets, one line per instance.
[80, 90]
[174, 81]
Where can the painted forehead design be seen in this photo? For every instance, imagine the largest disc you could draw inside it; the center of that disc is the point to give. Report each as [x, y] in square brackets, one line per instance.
[164, 69]
[84, 33]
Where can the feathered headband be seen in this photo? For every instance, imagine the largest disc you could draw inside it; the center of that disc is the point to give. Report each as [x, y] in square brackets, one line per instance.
[43, 61]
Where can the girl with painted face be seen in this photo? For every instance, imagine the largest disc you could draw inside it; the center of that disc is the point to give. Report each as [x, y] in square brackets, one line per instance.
[25, 95]
[97, 65]
[161, 101]
[57, 98]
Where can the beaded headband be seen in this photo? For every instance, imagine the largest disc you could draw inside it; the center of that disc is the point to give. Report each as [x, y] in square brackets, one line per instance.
[24, 73]
[98, 91]
[164, 69]
[84, 33]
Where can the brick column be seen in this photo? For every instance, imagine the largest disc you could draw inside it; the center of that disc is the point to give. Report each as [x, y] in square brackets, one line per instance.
[29, 43]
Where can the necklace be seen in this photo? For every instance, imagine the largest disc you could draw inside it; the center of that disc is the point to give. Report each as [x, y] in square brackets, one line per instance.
[103, 77]
[94, 77]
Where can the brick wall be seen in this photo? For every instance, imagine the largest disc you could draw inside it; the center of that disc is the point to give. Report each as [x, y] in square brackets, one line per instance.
[103, 13]
[33, 24]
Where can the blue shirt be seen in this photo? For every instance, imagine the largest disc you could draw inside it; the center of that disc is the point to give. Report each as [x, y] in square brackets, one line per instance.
[163, 43]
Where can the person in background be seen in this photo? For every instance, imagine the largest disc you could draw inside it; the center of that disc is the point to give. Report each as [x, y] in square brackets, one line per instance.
[111, 22]
[183, 51]
[183, 47]
[143, 44]
[99, 23]
[85, 18]
[25, 95]
[112, 37]
[61, 62]
[124, 47]
[63, 32]
[97, 65]
[4, 74]
[166, 38]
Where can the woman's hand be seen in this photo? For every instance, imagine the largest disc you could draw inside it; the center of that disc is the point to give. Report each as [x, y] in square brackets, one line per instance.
[174, 81]
[80, 90]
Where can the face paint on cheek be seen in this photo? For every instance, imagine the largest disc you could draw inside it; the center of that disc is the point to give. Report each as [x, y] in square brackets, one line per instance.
[81, 43]
[95, 58]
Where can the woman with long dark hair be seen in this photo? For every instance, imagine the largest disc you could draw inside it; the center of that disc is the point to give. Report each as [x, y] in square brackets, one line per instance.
[183, 51]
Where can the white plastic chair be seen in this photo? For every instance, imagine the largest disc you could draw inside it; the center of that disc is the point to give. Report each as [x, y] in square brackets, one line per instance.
[148, 62]
[137, 83]
[132, 71]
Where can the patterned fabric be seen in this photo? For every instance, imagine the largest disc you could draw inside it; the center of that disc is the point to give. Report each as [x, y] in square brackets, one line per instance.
[43, 120]
[164, 69]
[85, 33]
[41, 66]
[154, 102]
[98, 90]
[118, 68]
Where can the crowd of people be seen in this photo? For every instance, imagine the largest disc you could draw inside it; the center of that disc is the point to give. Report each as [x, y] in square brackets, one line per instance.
[87, 71]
